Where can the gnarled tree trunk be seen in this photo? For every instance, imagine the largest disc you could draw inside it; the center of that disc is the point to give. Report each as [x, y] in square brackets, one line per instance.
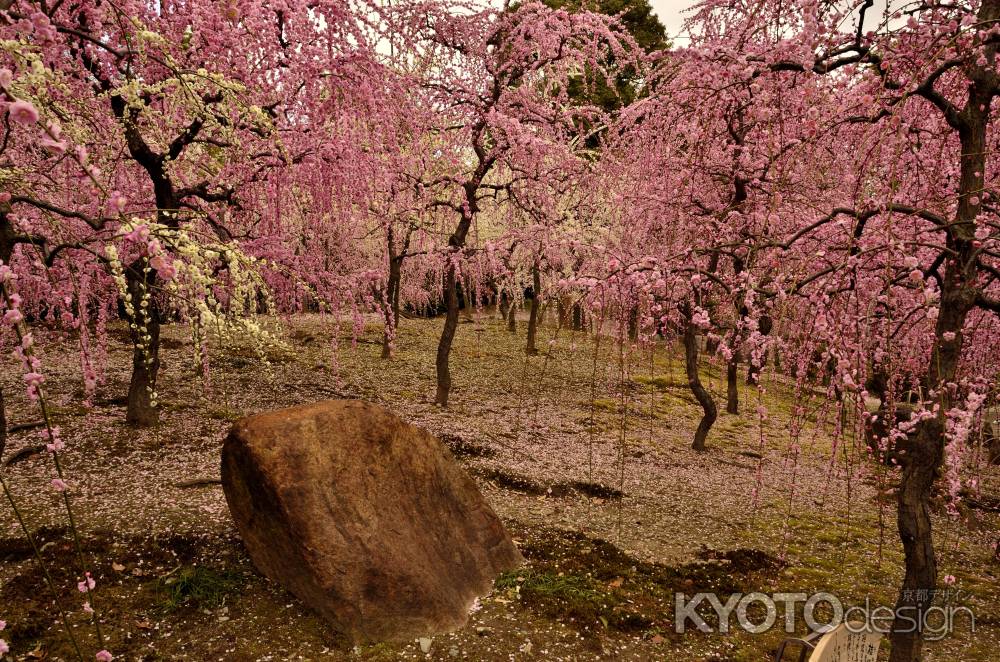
[392, 294]
[144, 330]
[450, 291]
[925, 453]
[447, 337]
[701, 394]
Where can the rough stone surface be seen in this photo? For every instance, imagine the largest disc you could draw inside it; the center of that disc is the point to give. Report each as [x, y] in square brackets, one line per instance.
[367, 519]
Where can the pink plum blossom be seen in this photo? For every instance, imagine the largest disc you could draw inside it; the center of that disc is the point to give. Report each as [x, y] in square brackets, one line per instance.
[23, 112]
[86, 585]
[117, 201]
[54, 146]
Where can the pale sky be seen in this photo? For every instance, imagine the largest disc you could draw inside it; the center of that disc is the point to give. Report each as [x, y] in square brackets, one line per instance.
[670, 13]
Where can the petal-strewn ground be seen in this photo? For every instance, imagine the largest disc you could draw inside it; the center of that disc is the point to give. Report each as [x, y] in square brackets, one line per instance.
[586, 457]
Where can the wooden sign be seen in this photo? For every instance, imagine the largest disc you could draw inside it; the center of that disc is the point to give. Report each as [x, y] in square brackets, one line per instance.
[843, 645]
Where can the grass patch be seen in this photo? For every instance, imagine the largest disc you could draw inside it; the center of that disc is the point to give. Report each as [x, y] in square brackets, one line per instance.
[590, 583]
[223, 414]
[576, 599]
[660, 382]
[197, 586]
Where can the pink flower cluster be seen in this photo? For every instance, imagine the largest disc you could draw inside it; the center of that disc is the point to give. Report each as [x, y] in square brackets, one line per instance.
[87, 584]
[53, 441]
[159, 259]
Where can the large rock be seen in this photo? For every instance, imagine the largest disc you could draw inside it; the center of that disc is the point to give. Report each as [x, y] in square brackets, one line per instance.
[364, 517]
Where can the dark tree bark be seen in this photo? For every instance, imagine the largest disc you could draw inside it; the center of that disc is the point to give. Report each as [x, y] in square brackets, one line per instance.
[536, 288]
[467, 302]
[144, 330]
[9, 238]
[633, 323]
[447, 337]
[503, 305]
[753, 374]
[701, 394]
[3, 426]
[512, 317]
[450, 290]
[732, 385]
[925, 451]
[392, 290]
[577, 317]
[564, 312]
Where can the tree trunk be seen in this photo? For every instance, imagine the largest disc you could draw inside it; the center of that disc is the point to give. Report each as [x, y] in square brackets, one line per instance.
[633, 324]
[732, 385]
[3, 426]
[925, 453]
[447, 337]
[6, 251]
[146, 351]
[468, 299]
[144, 329]
[512, 317]
[577, 317]
[536, 287]
[503, 305]
[703, 397]
[392, 294]
[914, 522]
[921, 463]
[564, 308]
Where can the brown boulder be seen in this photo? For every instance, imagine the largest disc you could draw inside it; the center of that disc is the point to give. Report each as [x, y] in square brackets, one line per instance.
[367, 519]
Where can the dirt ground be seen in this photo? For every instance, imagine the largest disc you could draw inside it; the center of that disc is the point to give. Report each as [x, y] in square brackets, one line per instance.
[584, 453]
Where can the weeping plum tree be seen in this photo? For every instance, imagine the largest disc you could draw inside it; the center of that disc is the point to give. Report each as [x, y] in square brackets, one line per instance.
[708, 200]
[169, 84]
[911, 233]
[499, 86]
[915, 236]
